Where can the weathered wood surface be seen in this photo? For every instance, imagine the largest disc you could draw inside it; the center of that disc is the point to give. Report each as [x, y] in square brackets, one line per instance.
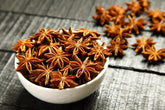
[130, 83]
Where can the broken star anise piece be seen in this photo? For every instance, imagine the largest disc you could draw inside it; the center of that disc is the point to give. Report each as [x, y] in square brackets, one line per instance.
[63, 80]
[145, 4]
[143, 44]
[22, 46]
[156, 16]
[57, 58]
[26, 62]
[103, 16]
[99, 52]
[136, 25]
[153, 55]
[158, 27]
[117, 46]
[134, 7]
[44, 34]
[85, 68]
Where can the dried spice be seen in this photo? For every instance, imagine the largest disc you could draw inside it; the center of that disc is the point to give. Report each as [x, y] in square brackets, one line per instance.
[134, 7]
[117, 46]
[136, 25]
[145, 4]
[59, 59]
[103, 16]
[158, 27]
[142, 44]
[156, 16]
[153, 55]
[117, 14]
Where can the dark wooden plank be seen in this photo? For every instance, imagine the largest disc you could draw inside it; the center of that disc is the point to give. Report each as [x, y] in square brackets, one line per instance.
[120, 89]
[4, 56]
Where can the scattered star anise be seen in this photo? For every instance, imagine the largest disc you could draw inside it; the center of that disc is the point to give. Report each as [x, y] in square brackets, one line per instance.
[145, 4]
[103, 16]
[143, 44]
[135, 7]
[136, 25]
[117, 14]
[117, 46]
[63, 79]
[156, 16]
[153, 55]
[158, 27]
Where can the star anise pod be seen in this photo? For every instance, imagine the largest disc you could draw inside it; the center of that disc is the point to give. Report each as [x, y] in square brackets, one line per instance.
[57, 58]
[99, 52]
[145, 4]
[156, 16]
[136, 25]
[63, 80]
[76, 47]
[27, 61]
[117, 14]
[85, 68]
[44, 34]
[123, 33]
[112, 30]
[42, 71]
[48, 47]
[154, 55]
[135, 7]
[117, 46]
[85, 33]
[158, 27]
[66, 35]
[143, 44]
[22, 46]
[103, 16]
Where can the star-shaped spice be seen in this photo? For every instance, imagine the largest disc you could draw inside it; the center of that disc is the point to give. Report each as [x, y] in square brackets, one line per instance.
[103, 16]
[85, 33]
[153, 55]
[42, 72]
[57, 58]
[26, 62]
[48, 47]
[22, 46]
[158, 27]
[44, 34]
[134, 7]
[63, 80]
[76, 47]
[136, 25]
[145, 4]
[117, 46]
[143, 44]
[99, 52]
[156, 16]
[117, 14]
[123, 33]
[112, 30]
[85, 68]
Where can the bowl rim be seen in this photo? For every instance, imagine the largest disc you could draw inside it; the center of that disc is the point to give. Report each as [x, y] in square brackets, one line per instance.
[102, 72]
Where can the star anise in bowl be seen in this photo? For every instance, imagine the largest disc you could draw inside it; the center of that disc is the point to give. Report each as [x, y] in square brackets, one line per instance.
[62, 62]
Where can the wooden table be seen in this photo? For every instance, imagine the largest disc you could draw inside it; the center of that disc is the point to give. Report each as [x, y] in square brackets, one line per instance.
[130, 83]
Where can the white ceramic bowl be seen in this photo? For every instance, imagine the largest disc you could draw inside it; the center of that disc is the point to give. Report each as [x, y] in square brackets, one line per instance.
[63, 96]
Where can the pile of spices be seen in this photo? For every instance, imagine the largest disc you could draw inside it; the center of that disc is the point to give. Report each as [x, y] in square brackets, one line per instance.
[119, 29]
[61, 59]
